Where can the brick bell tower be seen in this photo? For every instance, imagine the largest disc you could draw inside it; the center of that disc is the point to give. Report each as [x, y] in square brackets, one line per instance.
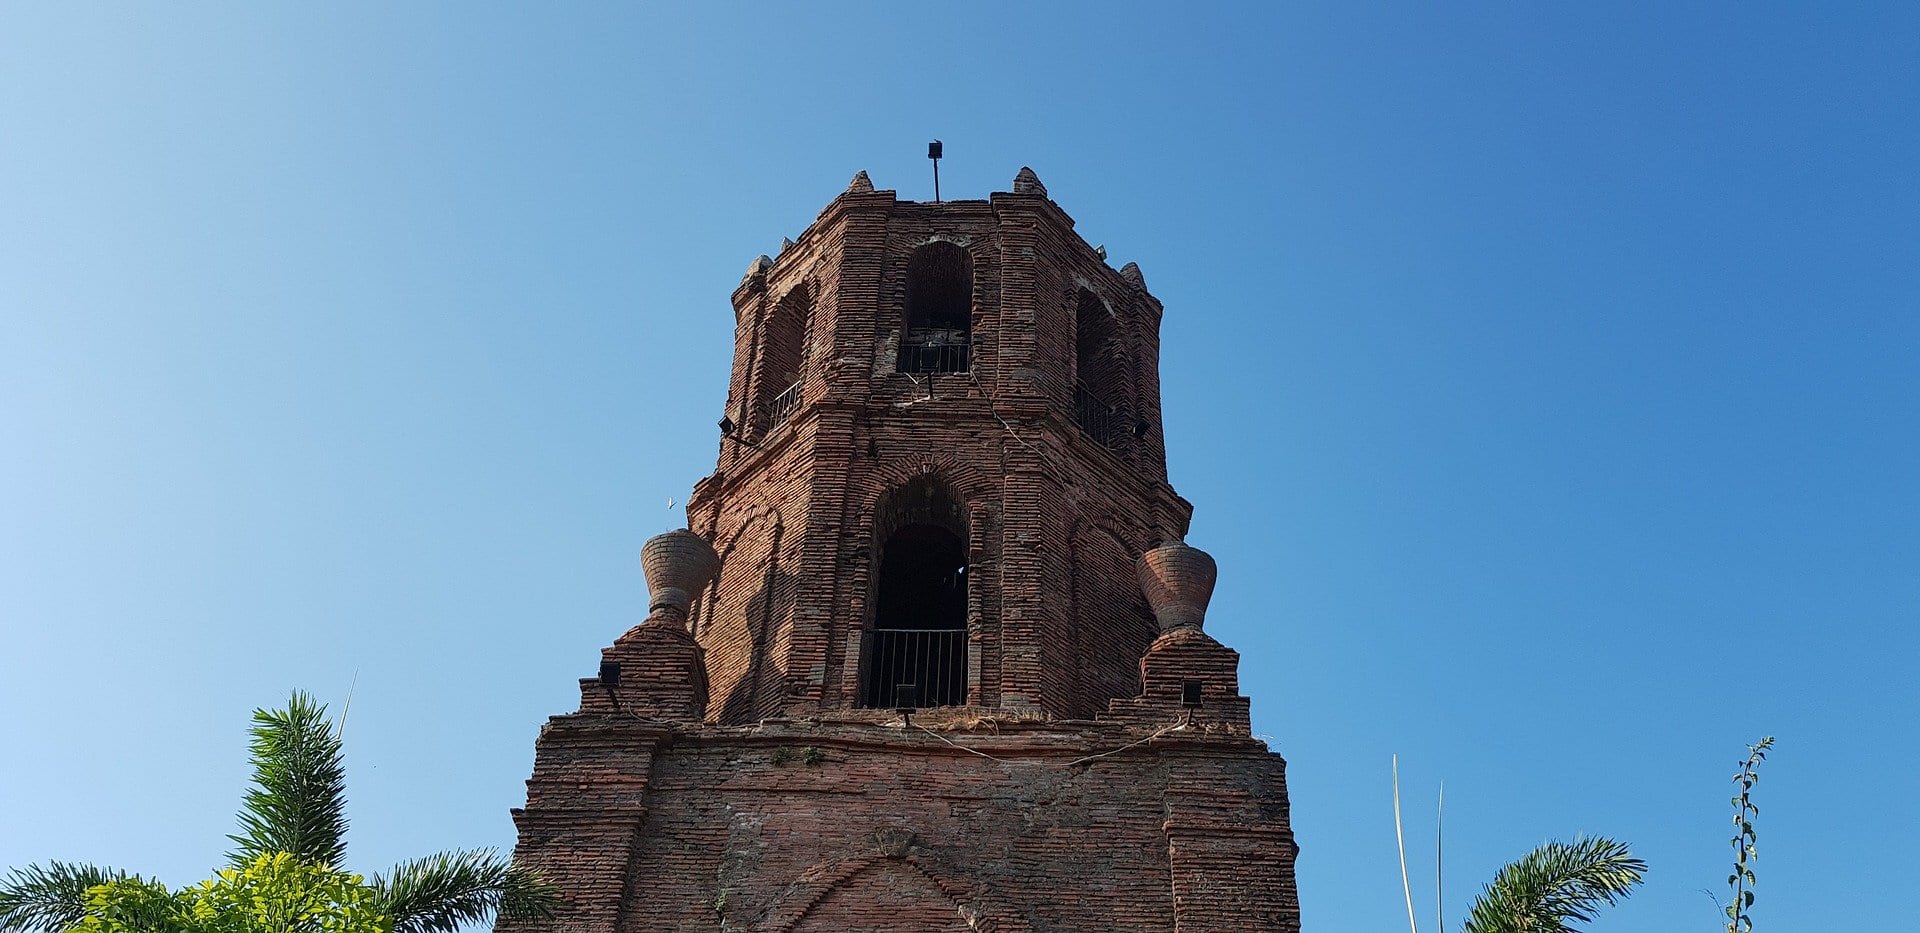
[930, 655]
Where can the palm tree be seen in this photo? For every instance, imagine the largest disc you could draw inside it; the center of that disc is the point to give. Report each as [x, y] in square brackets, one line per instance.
[297, 806]
[1556, 885]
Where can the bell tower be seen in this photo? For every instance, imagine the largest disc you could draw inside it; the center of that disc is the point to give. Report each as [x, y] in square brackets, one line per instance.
[941, 454]
[929, 654]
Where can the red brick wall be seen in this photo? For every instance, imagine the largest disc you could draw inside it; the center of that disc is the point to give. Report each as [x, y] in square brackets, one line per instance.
[1052, 511]
[845, 826]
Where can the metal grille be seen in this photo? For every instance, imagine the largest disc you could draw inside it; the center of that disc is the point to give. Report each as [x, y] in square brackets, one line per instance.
[782, 406]
[916, 667]
[927, 350]
[1105, 423]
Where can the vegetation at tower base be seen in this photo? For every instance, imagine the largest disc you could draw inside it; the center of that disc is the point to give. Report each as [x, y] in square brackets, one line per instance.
[1551, 887]
[1554, 886]
[279, 893]
[284, 875]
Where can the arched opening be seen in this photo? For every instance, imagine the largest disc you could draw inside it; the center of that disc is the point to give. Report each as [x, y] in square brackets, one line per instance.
[1099, 386]
[917, 648]
[783, 352]
[938, 336]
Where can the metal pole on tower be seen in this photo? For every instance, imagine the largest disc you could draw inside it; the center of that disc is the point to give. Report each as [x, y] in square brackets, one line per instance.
[933, 152]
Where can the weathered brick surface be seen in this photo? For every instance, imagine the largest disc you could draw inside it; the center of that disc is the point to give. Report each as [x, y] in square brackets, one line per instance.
[846, 825]
[1055, 515]
[732, 781]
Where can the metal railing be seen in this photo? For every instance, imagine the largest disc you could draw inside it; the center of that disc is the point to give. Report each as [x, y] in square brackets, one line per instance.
[915, 668]
[1106, 424]
[783, 405]
[936, 351]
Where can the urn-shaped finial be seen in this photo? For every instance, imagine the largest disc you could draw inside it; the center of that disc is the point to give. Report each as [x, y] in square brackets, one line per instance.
[678, 564]
[1026, 182]
[1178, 581]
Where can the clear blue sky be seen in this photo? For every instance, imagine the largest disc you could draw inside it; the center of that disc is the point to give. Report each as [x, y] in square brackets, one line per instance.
[1544, 377]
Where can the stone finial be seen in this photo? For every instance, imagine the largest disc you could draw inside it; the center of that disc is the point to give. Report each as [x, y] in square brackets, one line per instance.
[678, 564]
[1178, 581]
[1026, 182]
[1131, 273]
[861, 184]
[757, 268]
[786, 243]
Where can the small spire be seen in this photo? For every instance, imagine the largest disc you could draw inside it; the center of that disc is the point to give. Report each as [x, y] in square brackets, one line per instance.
[1100, 251]
[786, 243]
[1026, 182]
[861, 184]
[1131, 273]
[757, 268]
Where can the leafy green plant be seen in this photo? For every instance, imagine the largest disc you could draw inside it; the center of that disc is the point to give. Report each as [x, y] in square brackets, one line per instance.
[1556, 885]
[274, 892]
[1745, 847]
[285, 864]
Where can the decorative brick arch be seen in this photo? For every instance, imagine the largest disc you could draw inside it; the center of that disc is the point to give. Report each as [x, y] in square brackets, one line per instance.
[970, 482]
[1112, 626]
[1124, 336]
[978, 495]
[964, 242]
[724, 546]
[971, 488]
[1129, 527]
[973, 904]
[939, 291]
[739, 613]
[786, 334]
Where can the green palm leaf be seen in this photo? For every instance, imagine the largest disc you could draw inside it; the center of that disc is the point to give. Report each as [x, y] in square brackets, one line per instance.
[1556, 885]
[447, 890]
[49, 898]
[297, 803]
[291, 844]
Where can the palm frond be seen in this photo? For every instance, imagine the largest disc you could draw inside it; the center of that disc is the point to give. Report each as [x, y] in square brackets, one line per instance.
[49, 898]
[297, 803]
[443, 892]
[1556, 885]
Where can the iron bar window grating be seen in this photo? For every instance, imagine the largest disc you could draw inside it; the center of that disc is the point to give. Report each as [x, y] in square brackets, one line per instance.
[935, 351]
[782, 406]
[917, 668]
[1105, 423]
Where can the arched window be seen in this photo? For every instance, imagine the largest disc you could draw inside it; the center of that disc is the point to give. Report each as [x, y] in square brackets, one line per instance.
[938, 337]
[783, 357]
[917, 649]
[1099, 374]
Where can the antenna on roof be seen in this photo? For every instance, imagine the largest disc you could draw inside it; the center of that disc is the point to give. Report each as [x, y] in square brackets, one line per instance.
[933, 152]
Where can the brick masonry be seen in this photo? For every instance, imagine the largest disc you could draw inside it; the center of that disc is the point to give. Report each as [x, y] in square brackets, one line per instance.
[731, 780]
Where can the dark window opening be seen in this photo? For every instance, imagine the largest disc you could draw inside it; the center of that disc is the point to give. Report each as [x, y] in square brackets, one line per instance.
[1099, 386]
[917, 650]
[1190, 693]
[783, 357]
[938, 336]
